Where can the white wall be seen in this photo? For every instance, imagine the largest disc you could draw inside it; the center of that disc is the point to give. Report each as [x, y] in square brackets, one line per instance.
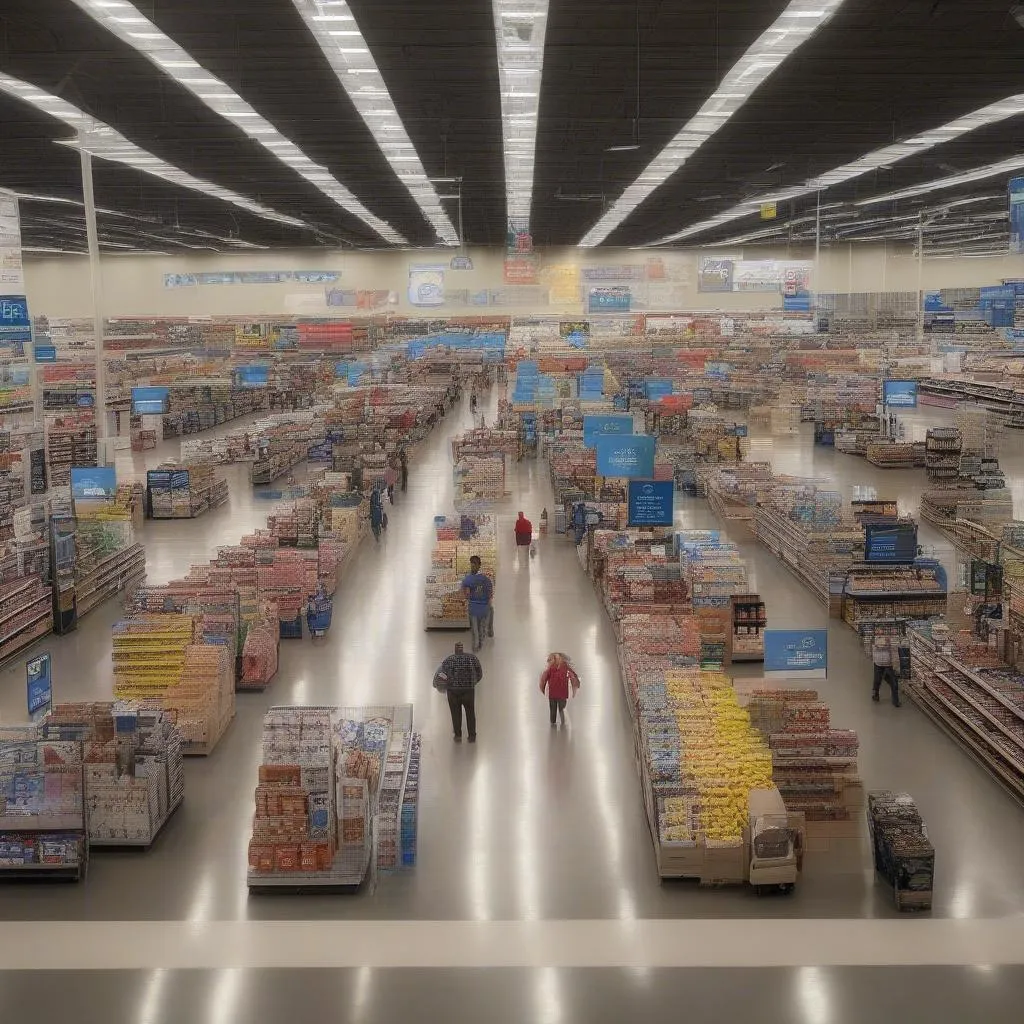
[134, 285]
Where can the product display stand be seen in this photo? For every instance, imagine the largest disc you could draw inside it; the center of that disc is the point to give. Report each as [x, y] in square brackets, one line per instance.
[184, 491]
[43, 814]
[457, 539]
[904, 856]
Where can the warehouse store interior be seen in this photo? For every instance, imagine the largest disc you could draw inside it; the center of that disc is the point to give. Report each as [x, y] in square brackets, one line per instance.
[511, 510]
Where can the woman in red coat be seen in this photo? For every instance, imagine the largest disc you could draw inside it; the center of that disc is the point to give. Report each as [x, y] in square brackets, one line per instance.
[524, 534]
[556, 681]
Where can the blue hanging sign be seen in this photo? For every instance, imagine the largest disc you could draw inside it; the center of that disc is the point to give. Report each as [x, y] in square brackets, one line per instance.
[596, 426]
[631, 456]
[795, 650]
[1017, 215]
[45, 353]
[93, 481]
[40, 685]
[900, 394]
[657, 387]
[609, 300]
[150, 401]
[650, 502]
[255, 376]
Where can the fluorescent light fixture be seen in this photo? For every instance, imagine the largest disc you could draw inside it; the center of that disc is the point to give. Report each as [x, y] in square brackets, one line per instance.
[742, 80]
[107, 144]
[172, 60]
[1014, 163]
[519, 30]
[373, 102]
[1002, 110]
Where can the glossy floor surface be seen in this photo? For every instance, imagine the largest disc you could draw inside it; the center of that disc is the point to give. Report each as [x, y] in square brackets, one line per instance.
[530, 824]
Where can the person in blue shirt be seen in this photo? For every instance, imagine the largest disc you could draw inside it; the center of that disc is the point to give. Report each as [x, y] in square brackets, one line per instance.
[479, 591]
[376, 510]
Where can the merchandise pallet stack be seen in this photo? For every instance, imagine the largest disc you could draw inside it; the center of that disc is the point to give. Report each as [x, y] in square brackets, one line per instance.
[108, 560]
[943, 446]
[733, 492]
[877, 594]
[43, 810]
[391, 803]
[456, 540]
[176, 491]
[896, 454]
[973, 695]
[134, 778]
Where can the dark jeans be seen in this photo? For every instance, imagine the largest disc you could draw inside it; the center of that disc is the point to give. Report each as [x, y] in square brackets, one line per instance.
[457, 700]
[554, 706]
[885, 673]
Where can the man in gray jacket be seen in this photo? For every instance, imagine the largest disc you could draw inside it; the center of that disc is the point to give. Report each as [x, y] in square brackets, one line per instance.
[882, 656]
[457, 677]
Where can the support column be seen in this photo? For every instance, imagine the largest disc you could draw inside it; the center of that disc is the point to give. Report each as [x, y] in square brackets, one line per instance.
[96, 277]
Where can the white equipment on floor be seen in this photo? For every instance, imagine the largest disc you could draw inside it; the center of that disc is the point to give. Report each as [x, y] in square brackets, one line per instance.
[773, 859]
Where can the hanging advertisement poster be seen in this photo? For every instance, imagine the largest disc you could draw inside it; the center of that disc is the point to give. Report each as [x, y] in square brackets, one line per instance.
[715, 274]
[796, 650]
[15, 325]
[520, 270]
[601, 426]
[629, 456]
[426, 284]
[900, 394]
[12, 275]
[650, 502]
[609, 300]
[1017, 215]
[563, 281]
[461, 263]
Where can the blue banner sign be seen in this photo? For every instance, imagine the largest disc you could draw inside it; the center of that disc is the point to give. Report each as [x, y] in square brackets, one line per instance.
[45, 353]
[40, 684]
[795, 650]
[900, 394]
[93, 481]
[255, 376]
[650, 502]
[631, 456]
[657, 387]
[150, 401]
[609, 300]
[1017, 215]
[596, 426]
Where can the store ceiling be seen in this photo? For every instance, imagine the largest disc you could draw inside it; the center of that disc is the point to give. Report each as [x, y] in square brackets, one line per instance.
[616, 73]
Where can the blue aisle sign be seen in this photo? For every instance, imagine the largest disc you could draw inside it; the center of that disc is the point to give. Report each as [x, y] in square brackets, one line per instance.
[1017, 215]
[40, 684]
[255, 376]
[631, 456]
[150, 401]
[795, 650]
[45, 353]
[900, 394]
[609, 300]
[657, 387]
[650, 502]
[93, 481]
[596, 426]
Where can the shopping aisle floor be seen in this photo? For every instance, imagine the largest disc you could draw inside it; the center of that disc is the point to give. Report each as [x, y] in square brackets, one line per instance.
[530, 824]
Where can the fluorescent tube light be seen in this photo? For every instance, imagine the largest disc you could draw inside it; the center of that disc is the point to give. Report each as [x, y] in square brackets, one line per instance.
[950, 181]
[520, 27]
[108, 144]
[164, 52]
[373, 103]
[1002, 110]
[742, 80]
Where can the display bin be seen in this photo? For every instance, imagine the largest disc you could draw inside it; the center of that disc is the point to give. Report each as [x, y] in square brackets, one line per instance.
[291, 629]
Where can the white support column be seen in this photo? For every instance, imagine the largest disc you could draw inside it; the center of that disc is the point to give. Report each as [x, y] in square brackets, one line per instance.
[96, 276]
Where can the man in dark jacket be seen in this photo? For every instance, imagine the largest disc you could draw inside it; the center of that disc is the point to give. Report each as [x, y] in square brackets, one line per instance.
[457, 677]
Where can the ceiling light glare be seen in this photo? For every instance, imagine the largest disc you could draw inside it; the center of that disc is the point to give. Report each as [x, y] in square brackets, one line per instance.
[742, 80]
[1014, 163]
[519, 29]
[107, 144]
[372, 101]
[1012, 106]
[166, 55]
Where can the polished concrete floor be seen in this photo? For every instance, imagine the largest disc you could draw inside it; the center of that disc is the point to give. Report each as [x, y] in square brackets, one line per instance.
[530, 824]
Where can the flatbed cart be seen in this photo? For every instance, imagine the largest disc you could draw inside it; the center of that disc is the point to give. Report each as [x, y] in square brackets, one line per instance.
[318, 614]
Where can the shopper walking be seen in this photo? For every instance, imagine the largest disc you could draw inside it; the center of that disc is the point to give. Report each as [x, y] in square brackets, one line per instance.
[377, 517]
[472, 403]
[457, 677]
[479, 591]
[524, 537]
[403, 468]
[391, 477]
[881, 656]
[556, 681]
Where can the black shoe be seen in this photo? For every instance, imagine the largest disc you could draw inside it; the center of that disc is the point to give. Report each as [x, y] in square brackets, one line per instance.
[472, 739]
[874, 697]
[896, 704]
[458, 737]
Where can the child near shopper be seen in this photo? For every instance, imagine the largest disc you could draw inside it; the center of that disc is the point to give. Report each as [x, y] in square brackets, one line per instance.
[556, 681]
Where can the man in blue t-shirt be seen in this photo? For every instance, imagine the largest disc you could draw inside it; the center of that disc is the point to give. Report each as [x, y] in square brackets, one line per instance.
[479, 590]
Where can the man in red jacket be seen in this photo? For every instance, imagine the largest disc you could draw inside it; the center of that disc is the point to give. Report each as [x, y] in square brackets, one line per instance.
[524, 535]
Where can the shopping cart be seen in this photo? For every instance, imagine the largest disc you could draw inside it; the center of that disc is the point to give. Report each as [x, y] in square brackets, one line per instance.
[318, 615]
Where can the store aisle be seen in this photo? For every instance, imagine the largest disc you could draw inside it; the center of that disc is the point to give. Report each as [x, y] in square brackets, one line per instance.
[529, 823]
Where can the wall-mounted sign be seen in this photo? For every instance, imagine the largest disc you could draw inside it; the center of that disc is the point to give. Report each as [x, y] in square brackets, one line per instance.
[45, 353]
[609, 300]
[255, 376]
[769, 211]
[93, 481]
[461, 263]
[39, 685]
[1017, 215]
[796, 650]
[150, 401]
